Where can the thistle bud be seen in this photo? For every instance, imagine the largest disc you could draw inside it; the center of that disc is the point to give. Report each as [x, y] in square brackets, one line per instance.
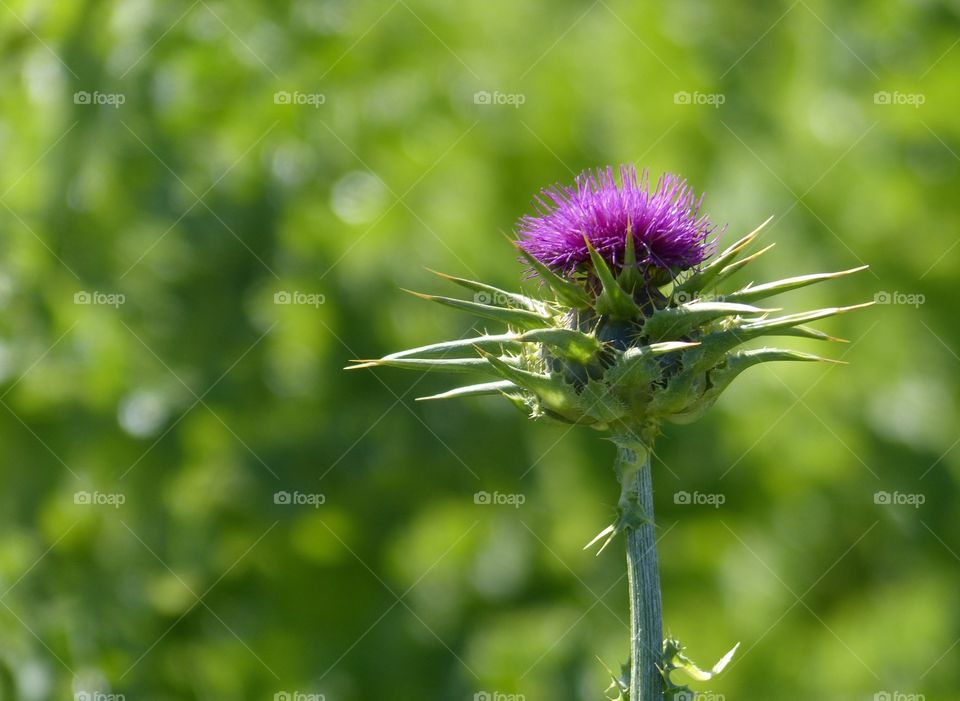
[627, 330]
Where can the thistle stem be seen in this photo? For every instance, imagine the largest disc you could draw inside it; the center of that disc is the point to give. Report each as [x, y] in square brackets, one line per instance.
[646, 616]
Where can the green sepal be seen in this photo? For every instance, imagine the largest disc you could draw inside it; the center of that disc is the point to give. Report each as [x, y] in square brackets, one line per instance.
[613, 301]
[494, 293]
[630, 277]
[752, 293]
[519, 400]
[575, 345]
[738, 265]
[479, 390]
[567, 292]
[791, 320]
[714, 345]
[708, 273]
[553, 392]
[452, 365]
[520, 318]
[543, 413]
[487, 342]
[599, 403]
[726, 372]
[808, 332]
[638, 366]
[666, 347]
[677, 322]
[742, 360]
[680, 390]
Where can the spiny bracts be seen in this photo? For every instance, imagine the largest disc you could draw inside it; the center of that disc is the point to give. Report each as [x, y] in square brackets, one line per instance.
[619, 348]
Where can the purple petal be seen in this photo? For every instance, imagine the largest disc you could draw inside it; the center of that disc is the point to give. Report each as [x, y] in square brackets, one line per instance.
[668, 230]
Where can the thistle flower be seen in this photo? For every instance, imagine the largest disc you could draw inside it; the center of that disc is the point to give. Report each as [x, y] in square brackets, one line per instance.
[614, 350]
[627, 332]
[665, 224]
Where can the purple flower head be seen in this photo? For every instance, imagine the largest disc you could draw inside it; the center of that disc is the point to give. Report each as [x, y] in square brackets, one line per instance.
[667, 229]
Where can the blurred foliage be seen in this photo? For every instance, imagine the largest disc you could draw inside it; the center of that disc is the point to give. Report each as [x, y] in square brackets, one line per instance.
[201, 158]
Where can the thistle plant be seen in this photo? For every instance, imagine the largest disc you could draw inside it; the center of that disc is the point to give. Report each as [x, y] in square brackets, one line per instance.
[626, 331]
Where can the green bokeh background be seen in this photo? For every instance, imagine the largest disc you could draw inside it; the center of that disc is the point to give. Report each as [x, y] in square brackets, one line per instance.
[202, 196]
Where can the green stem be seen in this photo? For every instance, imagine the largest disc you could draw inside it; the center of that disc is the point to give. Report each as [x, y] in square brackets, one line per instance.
[646, 616]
